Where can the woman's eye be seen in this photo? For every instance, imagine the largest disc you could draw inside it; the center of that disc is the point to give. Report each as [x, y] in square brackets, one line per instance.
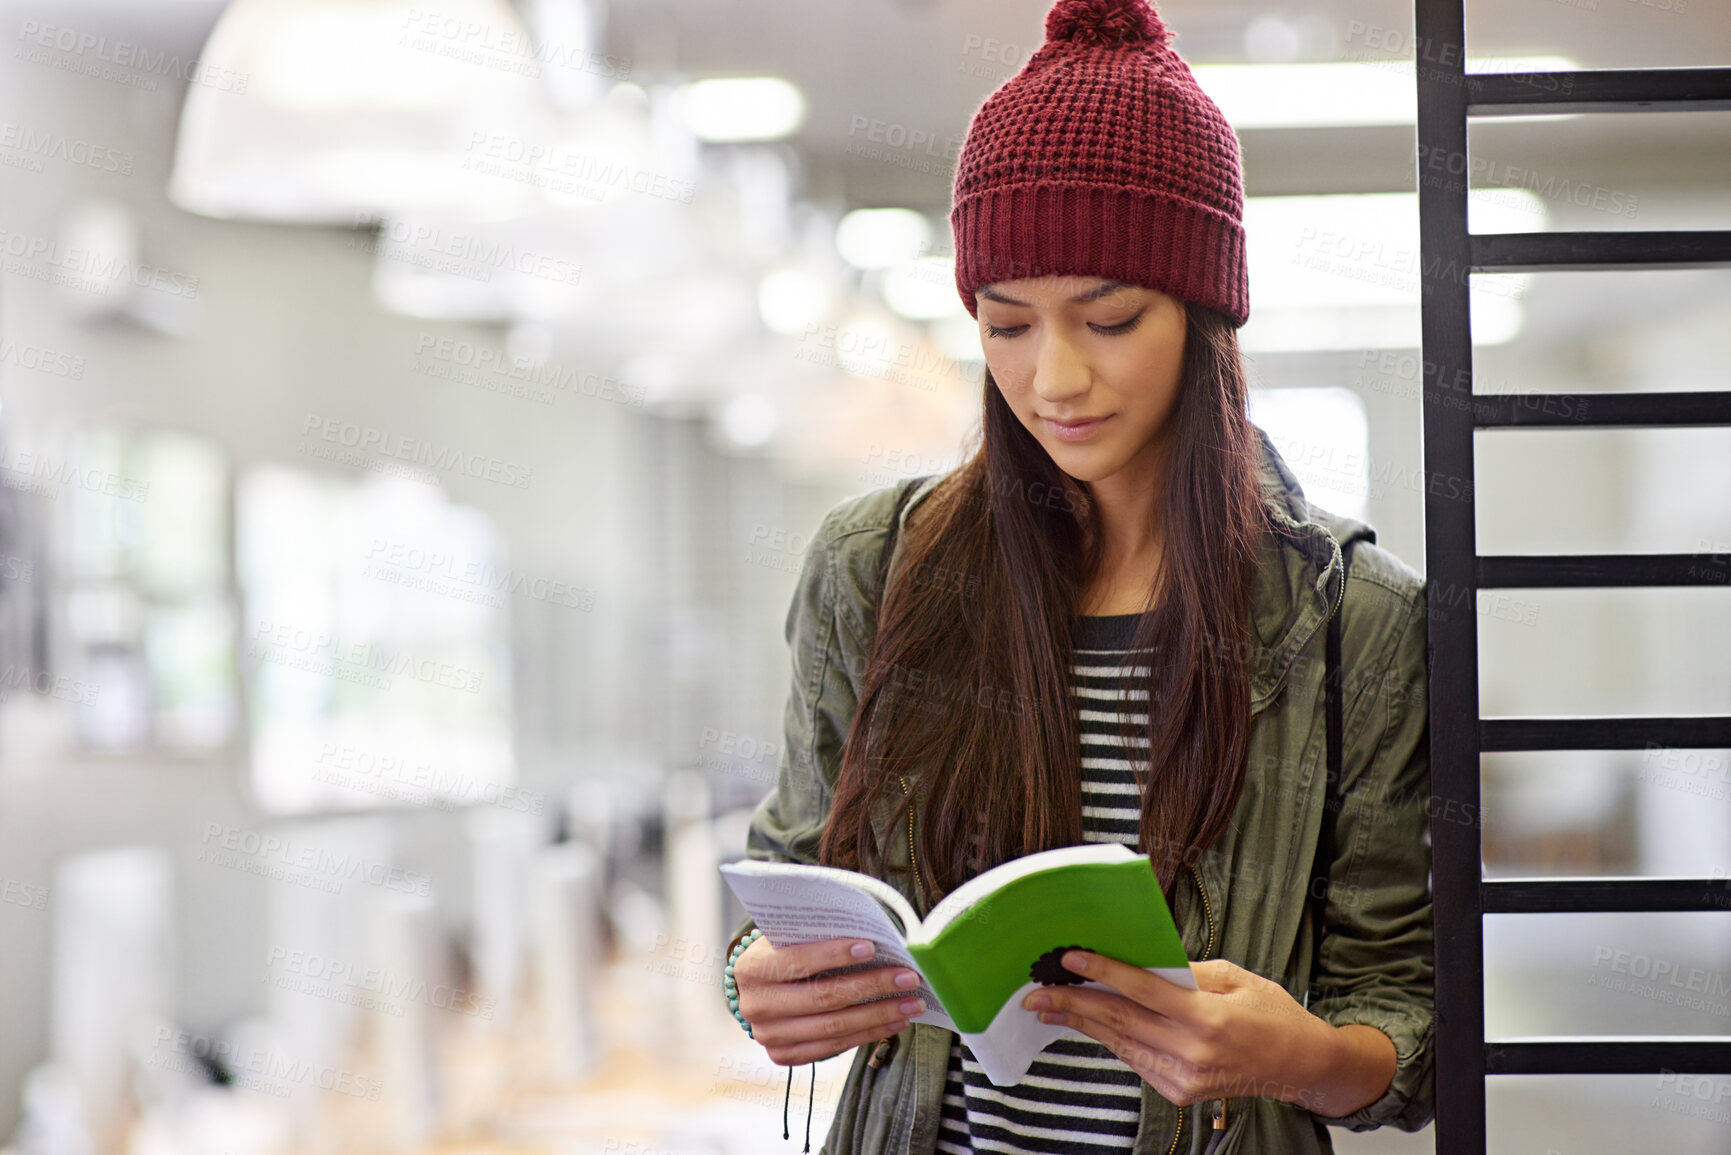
[1121, 327]
[1110, 330]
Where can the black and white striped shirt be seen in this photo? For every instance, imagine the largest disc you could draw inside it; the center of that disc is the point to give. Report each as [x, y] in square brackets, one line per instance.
[1078, 1096]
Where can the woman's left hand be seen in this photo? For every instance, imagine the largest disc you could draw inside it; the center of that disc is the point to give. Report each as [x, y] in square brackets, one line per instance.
[1240, 1034]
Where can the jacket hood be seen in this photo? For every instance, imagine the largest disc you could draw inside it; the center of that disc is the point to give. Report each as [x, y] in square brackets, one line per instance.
[1298, 572]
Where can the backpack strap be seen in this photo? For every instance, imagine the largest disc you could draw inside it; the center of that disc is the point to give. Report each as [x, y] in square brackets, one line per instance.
[1332, 726]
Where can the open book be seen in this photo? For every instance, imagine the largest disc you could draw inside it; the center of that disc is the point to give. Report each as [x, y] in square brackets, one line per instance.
[987, 943]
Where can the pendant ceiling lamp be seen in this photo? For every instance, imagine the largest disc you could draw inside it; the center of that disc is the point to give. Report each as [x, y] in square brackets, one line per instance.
[620, 206]
[345, 110]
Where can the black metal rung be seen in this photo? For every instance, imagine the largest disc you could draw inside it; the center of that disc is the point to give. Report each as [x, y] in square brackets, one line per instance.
[1599, 250]
[1704, 732]
[1603, 570]
[1617, 1056]
[1605, 895]
[1599, 410]
[1599, 90]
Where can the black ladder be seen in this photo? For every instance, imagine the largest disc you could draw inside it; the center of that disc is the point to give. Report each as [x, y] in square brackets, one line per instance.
[1447, 96]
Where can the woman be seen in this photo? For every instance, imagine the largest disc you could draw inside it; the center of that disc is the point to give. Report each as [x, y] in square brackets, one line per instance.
[1110, 623]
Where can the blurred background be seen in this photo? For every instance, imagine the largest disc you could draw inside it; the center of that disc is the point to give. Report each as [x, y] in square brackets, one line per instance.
[412, 421]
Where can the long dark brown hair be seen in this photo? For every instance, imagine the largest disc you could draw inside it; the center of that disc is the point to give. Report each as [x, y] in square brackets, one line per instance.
[965, 690]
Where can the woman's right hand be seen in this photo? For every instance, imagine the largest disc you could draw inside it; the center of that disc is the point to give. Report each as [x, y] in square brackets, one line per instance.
[799, 1019]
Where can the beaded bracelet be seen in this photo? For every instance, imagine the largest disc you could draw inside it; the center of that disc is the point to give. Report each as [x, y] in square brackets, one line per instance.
[731, 988]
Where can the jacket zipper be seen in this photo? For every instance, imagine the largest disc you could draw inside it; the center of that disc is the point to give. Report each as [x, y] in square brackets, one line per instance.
[911, 859]
[1208, 912]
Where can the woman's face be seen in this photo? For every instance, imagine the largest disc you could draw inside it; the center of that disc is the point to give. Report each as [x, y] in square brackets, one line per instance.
[1090, 366]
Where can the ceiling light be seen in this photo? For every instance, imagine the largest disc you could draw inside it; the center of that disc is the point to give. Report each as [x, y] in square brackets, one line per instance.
[1342, 271]
[741, 108]
[338, 110]
[792, 299]
[922, 290]
[877, 238]
[748, 421]
[1334, 94]
[866, 346]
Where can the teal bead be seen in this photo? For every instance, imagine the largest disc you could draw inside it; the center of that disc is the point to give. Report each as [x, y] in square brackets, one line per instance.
[729, 987]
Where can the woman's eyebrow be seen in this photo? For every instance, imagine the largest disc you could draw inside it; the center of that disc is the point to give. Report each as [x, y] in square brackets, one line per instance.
[1093, 294]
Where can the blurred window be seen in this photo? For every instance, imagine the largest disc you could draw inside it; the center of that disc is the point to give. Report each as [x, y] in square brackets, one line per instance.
[149, 603]
[375, 642]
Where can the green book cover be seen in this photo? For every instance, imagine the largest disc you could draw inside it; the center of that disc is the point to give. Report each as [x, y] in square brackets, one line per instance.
[999, 934]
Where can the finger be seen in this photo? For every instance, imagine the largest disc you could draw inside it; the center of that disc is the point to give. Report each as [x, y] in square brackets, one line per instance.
[761, 962]
[797, 1054]
[811, 996]
[1144, 987]
[1114, 1011]
[834, 1025]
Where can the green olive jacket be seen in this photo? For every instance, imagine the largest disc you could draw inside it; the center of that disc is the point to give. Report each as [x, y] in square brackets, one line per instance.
[1244, 900]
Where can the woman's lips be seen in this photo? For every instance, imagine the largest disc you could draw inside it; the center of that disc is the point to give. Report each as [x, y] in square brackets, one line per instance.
[1075, 430]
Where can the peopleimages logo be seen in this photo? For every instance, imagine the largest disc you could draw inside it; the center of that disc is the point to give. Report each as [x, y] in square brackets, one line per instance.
[543, 378]
[87, 270]
[342, 980]
[41, 360]
[119, 60]
[254, 1068]
[38, 146]
[222, 843]
[43, 474]
[360, 768]
[363, 439]
[469, 579]
[66, 689]
[471, 255]
[559, 168]
[457, 36]
[23, 894]
[315, 651]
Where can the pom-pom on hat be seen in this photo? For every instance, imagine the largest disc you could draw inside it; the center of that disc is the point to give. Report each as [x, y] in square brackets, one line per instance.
[1103, 157]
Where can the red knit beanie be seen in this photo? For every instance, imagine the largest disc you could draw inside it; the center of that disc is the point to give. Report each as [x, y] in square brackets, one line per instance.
[1103, 157]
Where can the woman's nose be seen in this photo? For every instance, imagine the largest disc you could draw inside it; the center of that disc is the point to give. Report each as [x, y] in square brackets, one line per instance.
[1059, 370]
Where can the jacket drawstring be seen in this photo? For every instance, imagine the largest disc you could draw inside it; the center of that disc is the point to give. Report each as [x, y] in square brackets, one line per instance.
[811, 1093]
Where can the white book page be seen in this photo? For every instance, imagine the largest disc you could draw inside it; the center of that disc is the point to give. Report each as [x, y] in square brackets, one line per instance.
[810, 904]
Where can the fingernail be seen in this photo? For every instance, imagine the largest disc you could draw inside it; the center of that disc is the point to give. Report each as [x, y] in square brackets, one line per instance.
[910, 1006]
[1038, 1002]
[1076, 961]
[862, 950]
[907, 979]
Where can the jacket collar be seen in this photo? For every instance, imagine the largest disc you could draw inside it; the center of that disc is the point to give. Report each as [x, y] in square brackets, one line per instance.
[1298, 562]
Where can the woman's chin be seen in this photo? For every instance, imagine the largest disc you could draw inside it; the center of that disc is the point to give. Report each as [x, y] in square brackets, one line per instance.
[1083, 462]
